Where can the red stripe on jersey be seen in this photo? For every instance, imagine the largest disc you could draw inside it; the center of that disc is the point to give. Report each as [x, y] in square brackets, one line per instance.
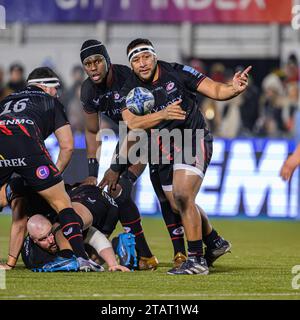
[53, 168]
[23, 129]
[5, 130]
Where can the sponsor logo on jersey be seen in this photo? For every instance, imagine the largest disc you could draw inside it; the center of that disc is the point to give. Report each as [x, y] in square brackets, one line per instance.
[109, 198]
[92, 201]
[17, 162]
[178, 231]
[191, 70]
[42, 172]
[170, 86]
[68, 232]
[96, 101]
[15, 121]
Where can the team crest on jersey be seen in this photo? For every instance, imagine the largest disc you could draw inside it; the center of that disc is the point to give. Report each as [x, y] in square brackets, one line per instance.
[42, 172]
[116, 96]
[178, 231]
[170, 86]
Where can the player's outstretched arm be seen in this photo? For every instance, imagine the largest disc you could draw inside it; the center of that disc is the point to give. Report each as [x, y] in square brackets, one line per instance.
[171, 112]
[222, 91]
[103, 246]
[290, 164]
[64, 137]
[17, 232]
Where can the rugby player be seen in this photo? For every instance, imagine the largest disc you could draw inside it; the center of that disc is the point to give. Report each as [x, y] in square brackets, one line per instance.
[95, 207]
[100, 94]
[41, 253]
[27, 118]
[175, 86]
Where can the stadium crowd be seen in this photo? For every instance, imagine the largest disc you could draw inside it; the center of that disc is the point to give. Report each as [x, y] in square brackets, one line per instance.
[264, 110]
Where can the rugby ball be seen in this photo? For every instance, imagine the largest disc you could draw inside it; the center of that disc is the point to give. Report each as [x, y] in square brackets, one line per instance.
[140, 101]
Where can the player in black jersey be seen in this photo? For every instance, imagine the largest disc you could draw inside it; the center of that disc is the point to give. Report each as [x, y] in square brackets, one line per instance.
[40, 249]
[27, 118]
[175, 85]
[93, 205]
[100, 94]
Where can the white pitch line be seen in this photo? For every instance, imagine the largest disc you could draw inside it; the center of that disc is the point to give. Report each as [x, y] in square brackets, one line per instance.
[116, 295]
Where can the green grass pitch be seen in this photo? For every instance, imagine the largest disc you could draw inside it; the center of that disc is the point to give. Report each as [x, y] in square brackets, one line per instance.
[259, 267]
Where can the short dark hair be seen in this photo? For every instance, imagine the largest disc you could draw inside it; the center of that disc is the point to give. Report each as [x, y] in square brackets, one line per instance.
[42, 72]
[137, 42]
[16, 66]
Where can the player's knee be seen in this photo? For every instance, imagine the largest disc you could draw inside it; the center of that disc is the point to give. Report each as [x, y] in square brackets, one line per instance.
[126, 186]
[182, 200]
[61, 203]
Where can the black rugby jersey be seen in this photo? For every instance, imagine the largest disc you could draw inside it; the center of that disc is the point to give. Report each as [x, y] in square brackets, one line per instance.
[30, 109]
[175, 82]
[105, 97]
[99, 203]
[34, 256]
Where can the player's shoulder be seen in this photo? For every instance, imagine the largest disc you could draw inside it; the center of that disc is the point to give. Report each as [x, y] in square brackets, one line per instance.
[121, 68]
[165, 65]
[87, 85]
[131, 82]
[88, 90]
[171, 66]
[120, 74]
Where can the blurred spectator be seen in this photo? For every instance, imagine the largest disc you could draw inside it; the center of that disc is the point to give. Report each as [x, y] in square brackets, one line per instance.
[217, 72]
[198, 65]
[290, 106]
[230, 117]
[3, 90]
[249, 109]
[291, 69]
[271, 122]
[74, 111]
[229, 110]
[77, 77]
[16, 80]
[212, 116]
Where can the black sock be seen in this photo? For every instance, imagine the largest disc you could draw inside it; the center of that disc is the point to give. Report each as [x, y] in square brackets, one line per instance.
[71, 226]
[209, 240]
[195, 248]
[172, 220]
[130, 219]
[175, 228]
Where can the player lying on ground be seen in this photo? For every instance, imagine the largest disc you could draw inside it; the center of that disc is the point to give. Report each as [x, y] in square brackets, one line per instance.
[40, 251]
[93, 205]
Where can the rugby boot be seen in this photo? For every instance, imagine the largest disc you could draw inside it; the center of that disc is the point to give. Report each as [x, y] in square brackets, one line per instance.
[178, 259]
[222, 246]
[148, 263]
[192, 266]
